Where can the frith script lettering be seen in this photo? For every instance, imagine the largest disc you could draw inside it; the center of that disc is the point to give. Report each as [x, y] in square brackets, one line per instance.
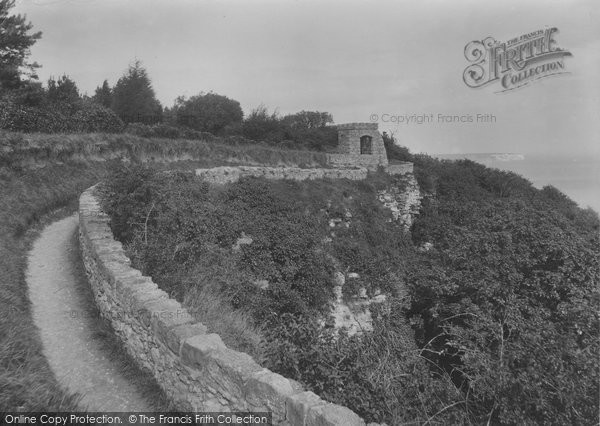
[516, 62]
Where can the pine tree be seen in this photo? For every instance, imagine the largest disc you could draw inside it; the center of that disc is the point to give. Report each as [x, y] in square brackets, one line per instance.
[63, 90]
[103, 95]
[134, 99]
[15, 41]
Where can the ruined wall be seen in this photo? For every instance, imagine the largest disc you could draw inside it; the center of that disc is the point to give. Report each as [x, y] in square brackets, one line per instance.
[228, 174]
[222, 175]
[195, 368]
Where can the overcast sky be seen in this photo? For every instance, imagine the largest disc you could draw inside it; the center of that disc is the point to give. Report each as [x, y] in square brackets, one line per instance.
[350, 58]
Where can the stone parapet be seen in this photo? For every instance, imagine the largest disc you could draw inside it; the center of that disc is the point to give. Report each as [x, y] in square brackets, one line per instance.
[195, 368]
[346, 126]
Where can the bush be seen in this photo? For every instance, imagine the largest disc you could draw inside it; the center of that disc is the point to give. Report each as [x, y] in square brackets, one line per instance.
[91, 117]
[505, 301]
[394, 151]
[21, 118]
[303, 130]
[140, 129]
[88, 117]
[381, 375]
[168, 132]
[208, 112]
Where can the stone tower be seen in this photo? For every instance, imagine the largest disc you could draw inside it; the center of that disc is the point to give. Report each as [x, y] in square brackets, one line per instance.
[359, 145]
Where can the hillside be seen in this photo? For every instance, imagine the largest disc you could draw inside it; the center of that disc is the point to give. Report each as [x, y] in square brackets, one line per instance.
[490, 301]
[41, 178]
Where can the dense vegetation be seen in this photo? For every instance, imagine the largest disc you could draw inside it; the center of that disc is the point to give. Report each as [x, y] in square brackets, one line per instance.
[40, 174]
[492, 315]
[507, 301]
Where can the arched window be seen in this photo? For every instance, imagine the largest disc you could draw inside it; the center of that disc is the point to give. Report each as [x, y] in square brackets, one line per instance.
[366, 145]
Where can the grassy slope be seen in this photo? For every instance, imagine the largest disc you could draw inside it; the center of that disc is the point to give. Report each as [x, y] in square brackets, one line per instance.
[40, 174]
[36, 149]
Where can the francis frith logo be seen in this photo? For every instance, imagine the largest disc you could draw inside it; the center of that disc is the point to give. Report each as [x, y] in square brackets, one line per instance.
[514, 63]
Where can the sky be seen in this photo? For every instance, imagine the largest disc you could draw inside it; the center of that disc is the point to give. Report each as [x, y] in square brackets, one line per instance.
[359, 60]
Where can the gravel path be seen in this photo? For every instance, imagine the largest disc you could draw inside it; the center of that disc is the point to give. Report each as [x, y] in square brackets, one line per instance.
[63, 310]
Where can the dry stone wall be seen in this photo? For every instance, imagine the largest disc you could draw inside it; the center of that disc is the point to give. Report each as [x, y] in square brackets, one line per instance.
[222, 175]
[225, 174]
[194, 367]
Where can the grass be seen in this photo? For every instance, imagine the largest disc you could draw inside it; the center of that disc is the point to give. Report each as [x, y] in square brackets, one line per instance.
[236, 327]
[18, 149]
[26, 203]
[41, 177]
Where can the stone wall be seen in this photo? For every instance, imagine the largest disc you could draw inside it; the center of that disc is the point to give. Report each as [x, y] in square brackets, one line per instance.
[399, 168]
[370, 162]
[223, 175]
[228, 174]
[195, 368]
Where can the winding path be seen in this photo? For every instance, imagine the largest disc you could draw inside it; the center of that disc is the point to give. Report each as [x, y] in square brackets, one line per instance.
[64, 311]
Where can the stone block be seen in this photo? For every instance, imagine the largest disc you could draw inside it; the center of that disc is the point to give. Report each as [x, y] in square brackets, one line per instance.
[239, 366]
[332, 415]
[129, 282]
[270, 390]
[196, 349]
[128, 288]
[150, 310]
[178, 334]
[165, 320]
[298, 405]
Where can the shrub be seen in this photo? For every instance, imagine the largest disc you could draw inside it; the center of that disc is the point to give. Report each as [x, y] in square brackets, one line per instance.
[91, 117]
[21, 118]
[505, 302]
[168, 132]
[394, 151]
[208, 112]
[381, 375]
[139, 129]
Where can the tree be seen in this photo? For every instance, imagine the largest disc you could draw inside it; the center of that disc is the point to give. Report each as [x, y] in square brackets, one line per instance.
[133, 97]
[15, 41]
[260, 125]
[307, 120]
[208, 112]
[103, 95]
[64, 90]
[393, 150]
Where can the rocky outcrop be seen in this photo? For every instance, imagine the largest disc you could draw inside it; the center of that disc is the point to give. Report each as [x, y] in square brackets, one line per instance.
[353, 314]
[403, 200]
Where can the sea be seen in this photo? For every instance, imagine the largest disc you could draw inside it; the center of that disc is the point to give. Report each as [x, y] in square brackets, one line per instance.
[576, 176]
